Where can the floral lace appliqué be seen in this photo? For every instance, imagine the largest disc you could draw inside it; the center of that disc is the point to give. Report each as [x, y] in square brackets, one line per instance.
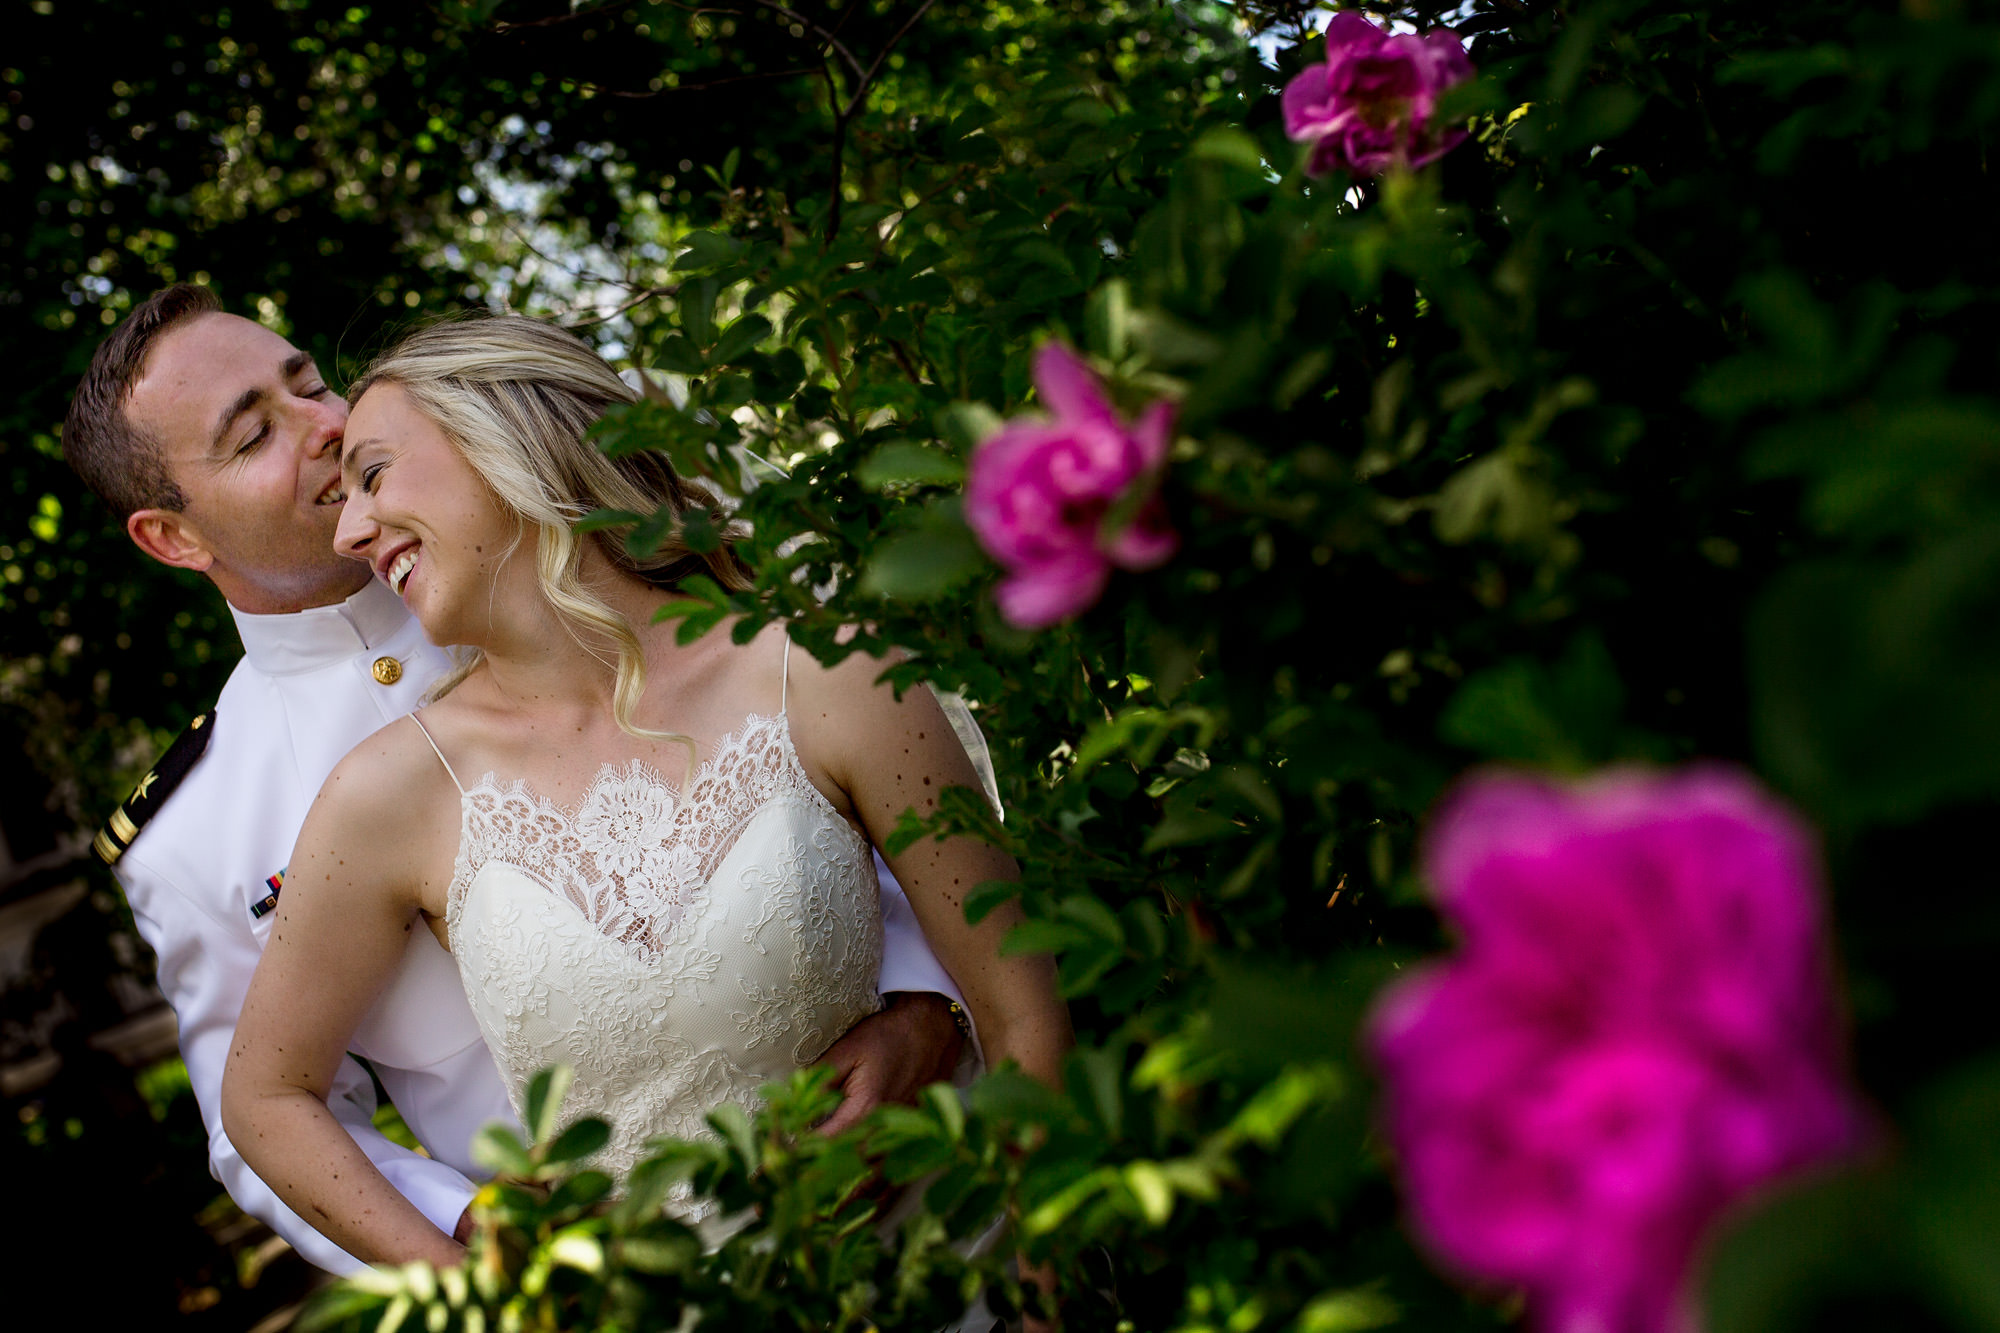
[677, 950]
[634, 852]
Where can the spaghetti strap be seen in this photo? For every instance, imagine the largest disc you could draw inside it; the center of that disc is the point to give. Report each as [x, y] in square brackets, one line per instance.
[785, 687]
[439, 753]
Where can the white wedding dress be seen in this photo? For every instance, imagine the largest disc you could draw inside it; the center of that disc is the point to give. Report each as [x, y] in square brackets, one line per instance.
[676, 949]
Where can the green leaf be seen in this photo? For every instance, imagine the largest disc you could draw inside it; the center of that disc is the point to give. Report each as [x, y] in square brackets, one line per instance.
[1150, 1188]
[1010, 1095]
[1355, 1310]
[1230, 145]
[696, 620]
[1091, 913]
[890, 1124]
[1244, 878]
[396, 1312]
[1142, 923]
[732, 1123]
[696, 306]
[1039, 937]
[1602, 114]
[546, 1091]
[1185, 826]
[677, 354]
[659, 1254]
[1057, 1210]
[578, 1141]
[740, 338]
[1196, 1179]
[599, 519]
[1281, 1102]
[500, 1152]
[1954, 1190]
[583, 1190]
[933, 558]
[1169, 342]
[911, 828]
[965, 426]
[1565, 714]
[979, 903]
[1096, 1081]
[706, 249]
[1107, 320]
[343, 1305]
[1496, 495]
[1784, 1265]
[904, 461]
[914, 1159]
[577, 1249]
[943, 1101]
[651, 532]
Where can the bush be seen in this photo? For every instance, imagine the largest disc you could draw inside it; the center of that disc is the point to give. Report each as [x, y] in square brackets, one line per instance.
[1654, 422]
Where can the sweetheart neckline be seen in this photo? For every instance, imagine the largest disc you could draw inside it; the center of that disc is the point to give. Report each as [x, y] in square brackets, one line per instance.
[490, 781]
[709, 782]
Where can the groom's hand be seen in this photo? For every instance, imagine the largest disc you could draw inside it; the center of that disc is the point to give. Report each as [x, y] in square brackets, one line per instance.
[892, 1055]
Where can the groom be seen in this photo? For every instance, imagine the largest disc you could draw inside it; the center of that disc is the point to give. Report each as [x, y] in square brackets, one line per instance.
[217, 443]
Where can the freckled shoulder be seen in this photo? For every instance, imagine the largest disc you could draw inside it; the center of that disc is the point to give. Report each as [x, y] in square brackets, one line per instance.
[829, 694]
[384, 827]
[391, 783]
[845, 721]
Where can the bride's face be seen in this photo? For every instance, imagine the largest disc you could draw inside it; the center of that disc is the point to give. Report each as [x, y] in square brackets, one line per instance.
[422, 519]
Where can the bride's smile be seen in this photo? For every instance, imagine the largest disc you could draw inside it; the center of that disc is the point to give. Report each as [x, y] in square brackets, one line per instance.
[425, 522]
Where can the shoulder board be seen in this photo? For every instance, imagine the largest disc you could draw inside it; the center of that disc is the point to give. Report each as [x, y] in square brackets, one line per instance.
[153, 790]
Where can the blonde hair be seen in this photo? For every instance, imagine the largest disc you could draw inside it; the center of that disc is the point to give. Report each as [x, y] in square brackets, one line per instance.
[515, 397]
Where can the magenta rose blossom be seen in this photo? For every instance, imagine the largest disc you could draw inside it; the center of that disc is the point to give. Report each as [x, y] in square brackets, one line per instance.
[1638, 1029]
[1039, 489]
[1371, 106]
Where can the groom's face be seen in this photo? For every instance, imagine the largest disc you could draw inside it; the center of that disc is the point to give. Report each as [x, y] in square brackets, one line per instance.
[250, 433]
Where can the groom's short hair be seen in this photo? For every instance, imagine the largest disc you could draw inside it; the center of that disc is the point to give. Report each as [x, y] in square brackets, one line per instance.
[119, 460]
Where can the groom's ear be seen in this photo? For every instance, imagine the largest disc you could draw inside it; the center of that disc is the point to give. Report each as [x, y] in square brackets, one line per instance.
[170, 538]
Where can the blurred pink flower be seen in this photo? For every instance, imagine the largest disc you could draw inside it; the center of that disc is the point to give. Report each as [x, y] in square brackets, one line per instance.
[1371, 105]
[1638, 1029]
[1038, 491]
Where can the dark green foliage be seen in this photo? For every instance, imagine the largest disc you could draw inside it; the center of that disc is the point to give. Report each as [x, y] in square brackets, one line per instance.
[1655, 423]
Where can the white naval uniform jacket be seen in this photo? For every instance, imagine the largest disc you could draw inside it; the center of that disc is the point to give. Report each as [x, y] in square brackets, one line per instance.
[305, 693]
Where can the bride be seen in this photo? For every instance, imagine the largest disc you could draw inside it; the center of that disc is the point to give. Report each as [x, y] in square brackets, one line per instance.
[650, 859]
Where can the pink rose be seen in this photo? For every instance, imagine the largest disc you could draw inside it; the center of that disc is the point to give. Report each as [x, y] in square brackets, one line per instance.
[1638, 1029]
[1370, 106]
[1039, 489]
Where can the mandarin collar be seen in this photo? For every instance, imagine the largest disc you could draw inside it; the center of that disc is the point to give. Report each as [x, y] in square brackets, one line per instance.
[320, 636]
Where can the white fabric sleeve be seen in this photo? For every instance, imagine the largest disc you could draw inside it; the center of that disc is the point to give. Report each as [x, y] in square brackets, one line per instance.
[966, 728]
[909, 964]
[204, 969]
[907, 960]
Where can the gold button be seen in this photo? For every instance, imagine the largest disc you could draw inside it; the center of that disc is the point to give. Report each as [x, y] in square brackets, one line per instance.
[388, 670]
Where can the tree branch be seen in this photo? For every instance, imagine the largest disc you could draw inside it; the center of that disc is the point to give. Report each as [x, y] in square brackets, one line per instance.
[640, 299]
[855, 102]
[702, 86]
[841, 115]
[830, 38]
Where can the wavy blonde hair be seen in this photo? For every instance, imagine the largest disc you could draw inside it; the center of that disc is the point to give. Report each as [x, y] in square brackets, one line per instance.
[515, 397]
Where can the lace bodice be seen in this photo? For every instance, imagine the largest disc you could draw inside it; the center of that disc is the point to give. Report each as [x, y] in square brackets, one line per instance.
[677, 950]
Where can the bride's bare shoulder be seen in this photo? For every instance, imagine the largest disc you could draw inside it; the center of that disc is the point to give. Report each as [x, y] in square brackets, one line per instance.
[854, 676]
[393, 779]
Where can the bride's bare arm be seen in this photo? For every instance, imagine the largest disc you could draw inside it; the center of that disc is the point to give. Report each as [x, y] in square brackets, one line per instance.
[353, 893]
[887, 756]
